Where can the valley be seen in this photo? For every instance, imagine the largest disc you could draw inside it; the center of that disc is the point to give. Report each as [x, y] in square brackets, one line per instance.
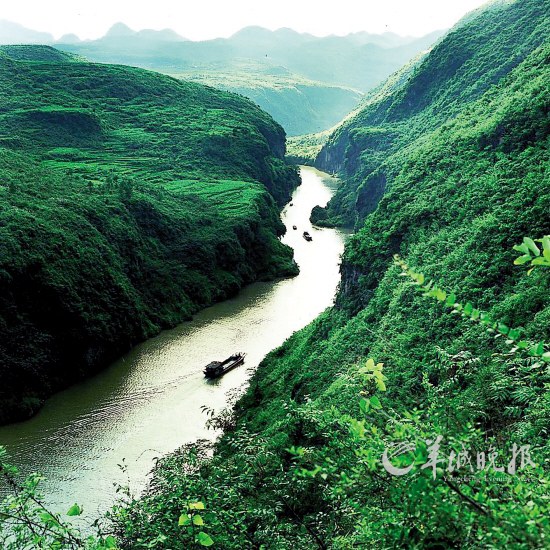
[395, 391]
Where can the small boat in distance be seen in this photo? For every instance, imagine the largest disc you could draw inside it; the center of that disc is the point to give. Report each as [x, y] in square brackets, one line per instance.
[218, 368]
[307, 236]
[291, 204]
[294, 227]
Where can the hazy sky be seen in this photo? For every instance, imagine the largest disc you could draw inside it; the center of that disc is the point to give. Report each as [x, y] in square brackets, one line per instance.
[204, 19]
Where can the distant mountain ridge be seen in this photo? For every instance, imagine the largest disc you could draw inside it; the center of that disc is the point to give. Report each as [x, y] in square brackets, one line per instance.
[14, 33]
[307, 83]
[359, 60]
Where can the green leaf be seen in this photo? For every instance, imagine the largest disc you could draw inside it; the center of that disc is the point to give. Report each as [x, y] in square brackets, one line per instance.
[46, 517]
[537, 349]
[375, 402]
[468, 308]
[521, 248]
[195, 506]
[531, 245]
[74, 510]
[357, 428]
[546, 247]
[204, 540]
[109, 542]
[197, 520]
[503, 329]
[441, 295]
[184, 520]
[380, 384]
[451, 299]
[522, 259]
[364, 405]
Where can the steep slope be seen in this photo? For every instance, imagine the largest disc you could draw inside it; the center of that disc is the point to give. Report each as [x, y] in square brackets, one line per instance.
[129, 200]
[300, 465]
[474, 56]
[298, 104]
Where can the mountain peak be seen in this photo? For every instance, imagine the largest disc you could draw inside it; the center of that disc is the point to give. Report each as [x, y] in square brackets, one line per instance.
[69, 38]
[252, 32]
[119, 30]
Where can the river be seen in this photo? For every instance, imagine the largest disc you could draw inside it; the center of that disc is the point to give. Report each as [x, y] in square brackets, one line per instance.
[150, 401]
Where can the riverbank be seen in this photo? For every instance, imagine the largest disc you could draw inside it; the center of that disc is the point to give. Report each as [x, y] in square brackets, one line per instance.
[128, 202]
[150, 401]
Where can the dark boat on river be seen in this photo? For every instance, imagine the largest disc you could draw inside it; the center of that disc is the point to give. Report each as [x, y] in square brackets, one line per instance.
[307, 236]
[294, 227]
[219, 368]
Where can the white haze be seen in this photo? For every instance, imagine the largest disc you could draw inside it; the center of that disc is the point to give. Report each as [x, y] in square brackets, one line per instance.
[205, 19]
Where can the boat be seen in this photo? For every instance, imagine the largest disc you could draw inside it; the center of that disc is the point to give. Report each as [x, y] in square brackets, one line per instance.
[219, 368]
[307, 236]
[294, 227]
[291, 204]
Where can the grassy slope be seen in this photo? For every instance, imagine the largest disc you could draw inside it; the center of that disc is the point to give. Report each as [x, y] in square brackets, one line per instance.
[460, 198]
[128, 201]
[472, 58]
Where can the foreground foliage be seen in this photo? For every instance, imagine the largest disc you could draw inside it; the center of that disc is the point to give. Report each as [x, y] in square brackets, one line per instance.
[460, 335]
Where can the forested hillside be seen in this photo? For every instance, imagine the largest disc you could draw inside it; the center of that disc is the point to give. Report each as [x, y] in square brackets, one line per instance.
[129, 200]
[299, 104]
[447, 167]
[422, 96]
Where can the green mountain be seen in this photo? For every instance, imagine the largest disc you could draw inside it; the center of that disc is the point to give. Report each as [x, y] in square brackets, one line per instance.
[447, 166]
[307, 84]
[38, 53]
[129, 201]
[422, 96]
